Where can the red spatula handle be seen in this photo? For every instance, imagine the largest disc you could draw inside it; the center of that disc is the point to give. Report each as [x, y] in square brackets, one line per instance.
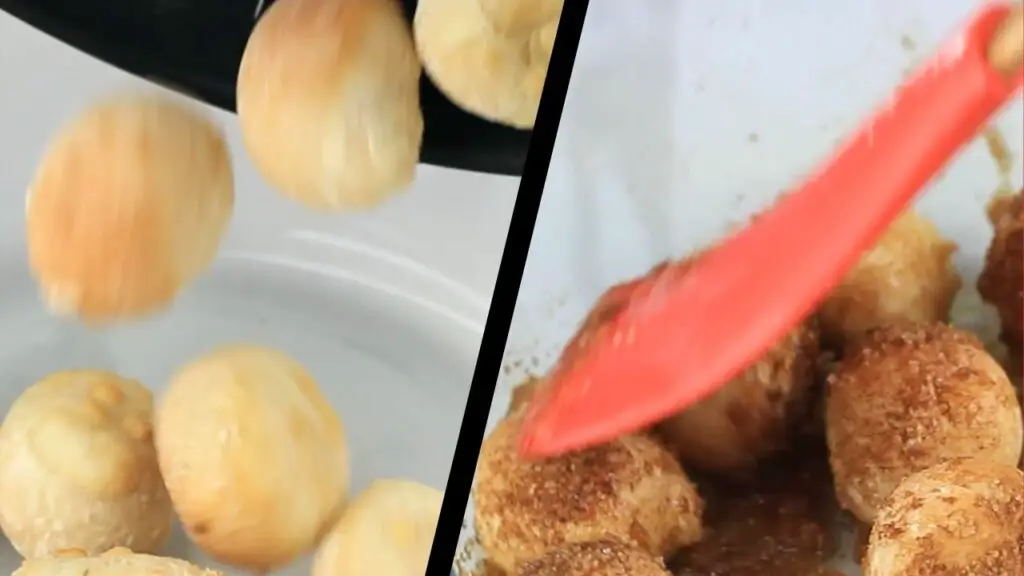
[619, 387]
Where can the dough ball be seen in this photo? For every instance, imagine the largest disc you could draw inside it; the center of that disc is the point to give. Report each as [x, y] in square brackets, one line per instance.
[632, 489]
[601, 557]
[964, 516]
[328, 101]
[908, 276]
[754, 415]
[116, 562]
[386, 531]
[490, 57]
[254, 457]
[1002, 280]
[911, 396]
[127, 206]
[79, 468]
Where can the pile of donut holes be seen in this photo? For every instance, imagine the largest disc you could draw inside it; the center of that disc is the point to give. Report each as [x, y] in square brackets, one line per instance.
[922, 423]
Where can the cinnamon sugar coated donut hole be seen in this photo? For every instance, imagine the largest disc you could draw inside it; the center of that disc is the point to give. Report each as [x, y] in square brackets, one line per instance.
[962, 517]
[600, 557]
[115, 562]
[128, 205]
[1002, 278]
[908, 397]
[79, 469]
[631, 489]
[909, 275]
[517, 17]
[254, 457]
[755, 414]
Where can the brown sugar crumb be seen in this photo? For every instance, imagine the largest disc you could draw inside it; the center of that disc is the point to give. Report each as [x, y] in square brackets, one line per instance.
[777, 525]
[523, 393]
[604, 558]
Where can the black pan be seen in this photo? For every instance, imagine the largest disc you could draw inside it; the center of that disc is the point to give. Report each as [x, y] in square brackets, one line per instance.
[196, 45]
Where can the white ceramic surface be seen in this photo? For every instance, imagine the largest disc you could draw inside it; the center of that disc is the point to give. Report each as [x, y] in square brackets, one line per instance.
[685, 117]
[385, 308]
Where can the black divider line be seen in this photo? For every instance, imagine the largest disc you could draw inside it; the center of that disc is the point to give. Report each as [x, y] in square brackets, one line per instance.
[510, 274]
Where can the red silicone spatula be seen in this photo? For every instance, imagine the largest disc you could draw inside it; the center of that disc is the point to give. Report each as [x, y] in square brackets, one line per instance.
[676, 336]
